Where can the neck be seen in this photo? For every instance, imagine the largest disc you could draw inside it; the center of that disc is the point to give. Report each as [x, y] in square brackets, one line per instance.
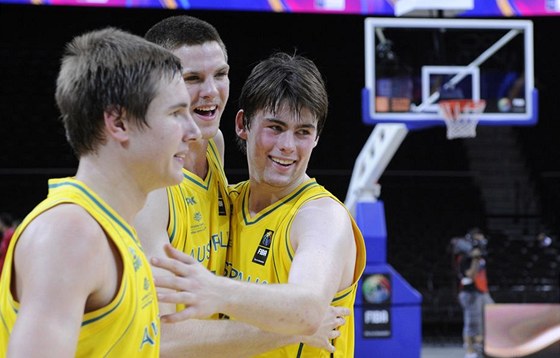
[196, 162]
[262, 195]
[118, 188]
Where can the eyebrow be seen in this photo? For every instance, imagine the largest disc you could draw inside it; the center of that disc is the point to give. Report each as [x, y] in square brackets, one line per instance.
[284, 123]
[178, 105]
[187, 71]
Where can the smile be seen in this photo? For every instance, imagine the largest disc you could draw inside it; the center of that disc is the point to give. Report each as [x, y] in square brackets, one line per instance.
[206, 111]
[283, 162]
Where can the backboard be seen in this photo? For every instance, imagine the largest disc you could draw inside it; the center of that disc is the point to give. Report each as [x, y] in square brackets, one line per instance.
[413, 63]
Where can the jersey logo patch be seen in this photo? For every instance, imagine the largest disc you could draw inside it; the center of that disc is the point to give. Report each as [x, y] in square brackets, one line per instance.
[221, 205]
[137, 263]
[264, 247]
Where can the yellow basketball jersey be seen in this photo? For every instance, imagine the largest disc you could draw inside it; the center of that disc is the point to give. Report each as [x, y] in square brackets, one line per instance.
[126, 327]
[199, 212]
[260, 251]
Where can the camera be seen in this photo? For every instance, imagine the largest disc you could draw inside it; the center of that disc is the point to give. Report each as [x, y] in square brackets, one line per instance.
[476, 240]
[480, 244]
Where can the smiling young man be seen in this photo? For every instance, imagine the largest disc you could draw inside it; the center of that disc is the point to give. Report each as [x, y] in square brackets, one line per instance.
[294, 248]
[194, 215]
[76, 282]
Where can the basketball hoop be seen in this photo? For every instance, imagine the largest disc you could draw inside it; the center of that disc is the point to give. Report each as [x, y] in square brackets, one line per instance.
[461, 116]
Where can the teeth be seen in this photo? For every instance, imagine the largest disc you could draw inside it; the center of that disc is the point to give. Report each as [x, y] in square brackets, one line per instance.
[282, 161]
[207, 108]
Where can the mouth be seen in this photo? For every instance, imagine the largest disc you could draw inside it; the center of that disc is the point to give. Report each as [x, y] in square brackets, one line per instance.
[208, 111]
[282, 162]
[180, 157]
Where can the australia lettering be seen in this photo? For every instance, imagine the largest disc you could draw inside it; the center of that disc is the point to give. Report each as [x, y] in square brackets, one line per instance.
[150, 334]
[203, 252]
[231, 272]
[217, 241]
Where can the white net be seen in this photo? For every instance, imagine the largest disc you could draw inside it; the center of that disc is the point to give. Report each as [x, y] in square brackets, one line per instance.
[461, 117]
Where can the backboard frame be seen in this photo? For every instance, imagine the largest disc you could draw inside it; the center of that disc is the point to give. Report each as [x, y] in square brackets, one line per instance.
[429, 115]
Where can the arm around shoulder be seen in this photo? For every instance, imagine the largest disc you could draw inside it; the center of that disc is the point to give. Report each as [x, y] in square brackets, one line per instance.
[323, 263]
[324, 257]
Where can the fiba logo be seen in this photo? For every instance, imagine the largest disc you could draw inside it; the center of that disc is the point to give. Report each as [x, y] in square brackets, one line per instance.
[376, 289]
[264, 247]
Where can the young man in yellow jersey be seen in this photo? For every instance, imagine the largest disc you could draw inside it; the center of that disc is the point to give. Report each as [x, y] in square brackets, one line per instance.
[288, 234]
[76, 281]
[194, 215]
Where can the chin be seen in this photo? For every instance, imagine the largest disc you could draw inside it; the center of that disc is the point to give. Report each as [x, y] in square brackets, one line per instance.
[175, 178]
[279, 182]
[208, 132]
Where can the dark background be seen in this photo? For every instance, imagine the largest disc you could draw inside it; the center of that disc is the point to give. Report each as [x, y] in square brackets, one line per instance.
[427, 189]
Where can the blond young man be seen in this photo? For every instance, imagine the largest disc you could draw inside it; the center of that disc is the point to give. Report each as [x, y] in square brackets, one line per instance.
[76, 282]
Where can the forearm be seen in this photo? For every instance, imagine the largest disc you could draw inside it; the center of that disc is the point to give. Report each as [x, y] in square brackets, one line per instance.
[271, 307]
[218, 338]
[289, 309]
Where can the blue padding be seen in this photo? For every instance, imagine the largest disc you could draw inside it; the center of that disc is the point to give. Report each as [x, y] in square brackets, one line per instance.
[421, 124]
[405, 340]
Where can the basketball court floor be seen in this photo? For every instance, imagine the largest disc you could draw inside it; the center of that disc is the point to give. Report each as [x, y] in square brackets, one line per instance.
[442, 351]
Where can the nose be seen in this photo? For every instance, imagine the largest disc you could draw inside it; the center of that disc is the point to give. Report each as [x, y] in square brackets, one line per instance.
[286, 141]
[209, 88]
[191, 132]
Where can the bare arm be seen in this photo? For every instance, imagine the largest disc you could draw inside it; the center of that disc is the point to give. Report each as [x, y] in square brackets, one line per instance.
[217, 338]
[324, 250]
[225, 338]
[58, 278]
[211, 338]
[151, 226]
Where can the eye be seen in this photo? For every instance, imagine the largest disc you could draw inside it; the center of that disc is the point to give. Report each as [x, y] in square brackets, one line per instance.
[304, 132]
[222, 74]
[191, 78]
[178, 112]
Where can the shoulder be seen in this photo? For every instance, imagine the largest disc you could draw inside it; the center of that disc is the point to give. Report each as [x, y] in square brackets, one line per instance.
[219, 143]
[155, 211]
[324, 215]
[65, 238]
[324, 207]
[64, 224]
[151, 222]
[155, 203]
[67, 227]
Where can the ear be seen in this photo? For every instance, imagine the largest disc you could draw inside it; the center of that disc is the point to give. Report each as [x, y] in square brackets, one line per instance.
[316, 141]
[115, 126]
[239, 126]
